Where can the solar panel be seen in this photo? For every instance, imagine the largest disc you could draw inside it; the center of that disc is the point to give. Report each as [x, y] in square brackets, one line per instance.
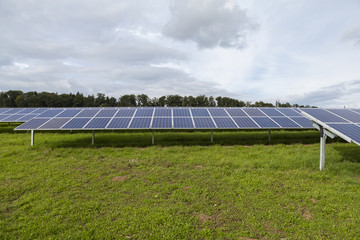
[27, 110]
[253, 112]
[40, 110]
[54, 123]
[3, 110]
[182, 123]
[285, 122]
[76, 123]
[139, 123]
[161, 112]
[125, 113]
[199, 112]
[347, 114]
[204, 123]
[33, 124]
[119, 123]
[323, 115]
[217, 112]
[271, 112]
[236, 112]
[289, 112]
[145, 112]
[3, 116]
[225, 123]
[13, 118]
[245, 122]
[106, 113]
[161, 123]
[14, 110]
[50, 113]
[265, 122]
[302, 121]
[69, 113]
[97, 123]
[26, 118]
[350, 130]
[181, 112]
[88, 113]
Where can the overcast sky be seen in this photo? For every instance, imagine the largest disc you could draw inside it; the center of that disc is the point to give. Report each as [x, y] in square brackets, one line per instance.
[301, 51]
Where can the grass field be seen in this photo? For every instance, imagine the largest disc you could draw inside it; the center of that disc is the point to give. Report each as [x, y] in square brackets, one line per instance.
[184, 187]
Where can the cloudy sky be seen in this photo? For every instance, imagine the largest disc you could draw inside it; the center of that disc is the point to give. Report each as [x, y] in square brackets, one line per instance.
[301, 51]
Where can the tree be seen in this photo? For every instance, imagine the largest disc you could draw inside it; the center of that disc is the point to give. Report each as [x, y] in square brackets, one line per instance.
[162, 101]
[142, 100]
[174, 101]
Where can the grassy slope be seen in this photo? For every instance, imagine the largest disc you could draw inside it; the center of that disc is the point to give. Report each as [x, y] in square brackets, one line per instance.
[182, 188]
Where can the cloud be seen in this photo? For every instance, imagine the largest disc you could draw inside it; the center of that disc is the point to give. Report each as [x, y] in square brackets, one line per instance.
[353, 35]
[209, 23]
[338, 95]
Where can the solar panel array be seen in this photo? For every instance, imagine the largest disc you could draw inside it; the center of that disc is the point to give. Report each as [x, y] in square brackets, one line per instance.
[343, 122]
[167, 118]
[19, 114]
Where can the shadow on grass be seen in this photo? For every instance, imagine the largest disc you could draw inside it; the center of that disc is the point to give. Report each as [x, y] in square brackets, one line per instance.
[175, 138]
[349, 153]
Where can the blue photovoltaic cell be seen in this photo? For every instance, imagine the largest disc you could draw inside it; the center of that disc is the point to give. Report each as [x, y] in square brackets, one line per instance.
[40, 110]
[245, 122]
[303, 121]
[119, 123]
[33, 124]
[140, 123]
[289, 112]
[347, 114]
[204, 123]
[253, 112]
[69, 113]
[285, 122]
[27, 110]
[225, 123]
[125, 113]
[106, 113]
[218, 112]
[14, 110]
[199, 112]
[350, 130]
[4, 110]
[272, 112]
[76, 123]
[265, 122]
[3, 116]
[160, 112]
[161, 123]
[98, 123]
[356, 110]
[323, 115]
[236, 112]
[13, 118]
[181, 112]
[88, 113]
[51, 113]
[183, 123]
[55, 123]
[145, 112]
[26, 118]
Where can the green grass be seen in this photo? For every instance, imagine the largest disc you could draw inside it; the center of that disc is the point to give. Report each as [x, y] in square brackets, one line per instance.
[184, 187]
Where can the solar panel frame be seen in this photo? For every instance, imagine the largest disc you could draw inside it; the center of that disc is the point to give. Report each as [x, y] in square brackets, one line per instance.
[204, 123]
[183, 123]
[119, 123]
[266, 122]
[246, 123]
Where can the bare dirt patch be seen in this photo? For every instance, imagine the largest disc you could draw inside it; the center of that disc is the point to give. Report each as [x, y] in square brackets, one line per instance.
[186, 188]
[204, 218]
[313, 200]
[198, 166]
[120, 178]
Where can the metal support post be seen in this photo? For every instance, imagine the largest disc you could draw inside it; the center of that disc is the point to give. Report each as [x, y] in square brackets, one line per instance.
[153, 138]
[8, 123]
[93, 138]
[269, 135]
[322, 148]
[212, 136]
[32, 138]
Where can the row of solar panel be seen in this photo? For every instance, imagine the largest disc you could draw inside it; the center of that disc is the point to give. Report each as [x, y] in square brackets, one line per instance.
[345, 122]
[23, 115]
[165, 123]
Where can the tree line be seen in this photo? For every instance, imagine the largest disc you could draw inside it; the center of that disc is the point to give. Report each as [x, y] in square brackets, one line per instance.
[16, 98]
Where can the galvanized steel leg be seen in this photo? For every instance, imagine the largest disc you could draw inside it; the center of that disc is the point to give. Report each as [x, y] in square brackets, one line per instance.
[322, 148]
[269, 135]
[93, 138]
[32, 138]
[212, 136]
[153, 138]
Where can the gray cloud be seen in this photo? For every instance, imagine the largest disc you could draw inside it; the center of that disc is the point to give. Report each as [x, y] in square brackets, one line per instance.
[353, 35]
[91, 47]
[209, 23]
[339, 95]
